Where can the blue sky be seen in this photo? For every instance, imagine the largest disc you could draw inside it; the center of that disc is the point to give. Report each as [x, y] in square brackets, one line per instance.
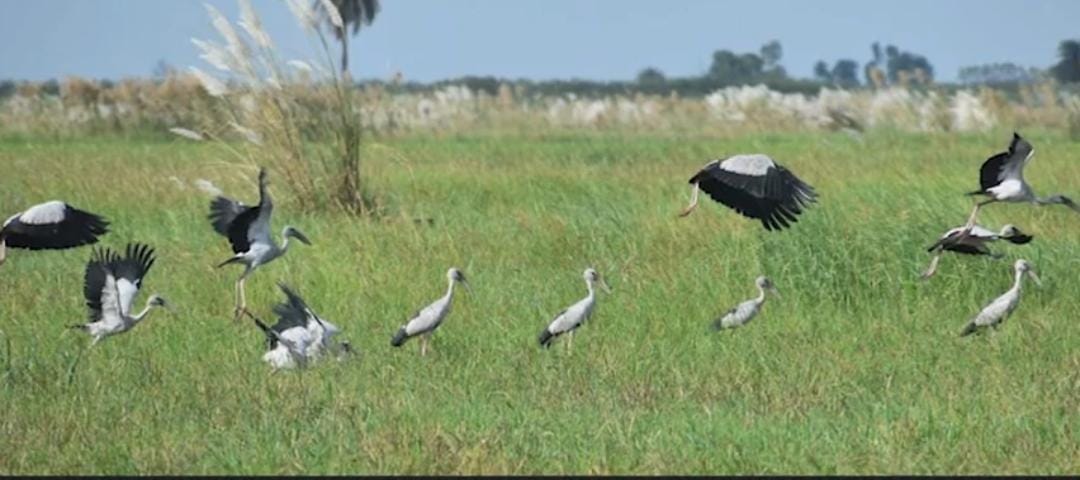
[542, 39]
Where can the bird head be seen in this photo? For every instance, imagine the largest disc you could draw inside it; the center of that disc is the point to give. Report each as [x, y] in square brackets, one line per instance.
[456, 275]
[764, 283]
[297, 234]
[159, 301]
[1023, 266]
[1009, 230]
[592, 276]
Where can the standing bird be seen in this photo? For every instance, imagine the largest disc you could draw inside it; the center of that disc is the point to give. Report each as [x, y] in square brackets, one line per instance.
[110, 287]
[756, 187]
[425, 321]
[742, 313]
[52, 225]
[974, 243]
[573, 317]
[300, 335]
[248, 231]
[1002, 179]
[1001, 307]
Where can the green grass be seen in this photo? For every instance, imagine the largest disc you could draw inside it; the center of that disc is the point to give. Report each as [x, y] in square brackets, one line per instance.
[857, 368]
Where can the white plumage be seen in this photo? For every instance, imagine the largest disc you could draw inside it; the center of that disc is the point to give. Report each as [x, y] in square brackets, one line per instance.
[742, 313]
[1001, 307]
[973, 243]
[566, 321]
[426, 320]
[52, 225]
[300, 336]
[111, 285]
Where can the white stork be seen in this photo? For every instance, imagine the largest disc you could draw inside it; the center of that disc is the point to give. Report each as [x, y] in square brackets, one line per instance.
[425, 321]
[110, 287]
[300, 335]
[52, 225]
[754, 186]
[568, 320]
[1001, 307]
[1002, 179]
[742, 313]
[248, 231]
[974, 243]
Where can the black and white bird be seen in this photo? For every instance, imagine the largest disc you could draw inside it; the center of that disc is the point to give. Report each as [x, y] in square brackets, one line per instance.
[974, 243]
[1001, 307]
[248, 231]
[754, 186]
[425, 321]
[742, 313]
[300, 336]
[566, 321]
[1002, 179]
[52, 225]
[111, 284]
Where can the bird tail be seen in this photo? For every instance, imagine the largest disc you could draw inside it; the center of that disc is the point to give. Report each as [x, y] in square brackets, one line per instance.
[545, 338]
[235, 259]
[81, 326]
[399, 338]
[976, 192]
[1019, 239]
[969, 329]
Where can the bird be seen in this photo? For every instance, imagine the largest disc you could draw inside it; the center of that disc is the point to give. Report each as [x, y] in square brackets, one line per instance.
[425, 321]
[1001, 178]
[1001, 307]
[52, 225]
[248, 231]
[300, 336]
[568, 320]
[742, 313]
[974, 243]
[111, 284]
[754, 186]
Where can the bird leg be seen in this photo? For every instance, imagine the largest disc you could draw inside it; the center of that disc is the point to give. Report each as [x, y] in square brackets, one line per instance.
[933, 266]
[96, 339]
[693, 201]
[423, 345]
[570, 342]
[241, 305]
[3, 250]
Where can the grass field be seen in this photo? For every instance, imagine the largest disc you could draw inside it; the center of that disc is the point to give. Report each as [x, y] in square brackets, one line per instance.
[857, 368]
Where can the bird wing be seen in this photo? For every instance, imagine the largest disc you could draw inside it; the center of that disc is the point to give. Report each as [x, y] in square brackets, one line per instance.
[426, 319]
[1005, 165]
[952, 241]
[129, 272]
[53, 225]
[292, 313]
[756, 187]
[253, 224]
[557, 325]
[94, 283]
[223, 212]
[718, 323]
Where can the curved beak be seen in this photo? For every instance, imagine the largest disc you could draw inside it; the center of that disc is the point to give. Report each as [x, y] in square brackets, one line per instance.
[467, 286]
[603, 283]
[301, 237]
[775, 291]
[1031, 273]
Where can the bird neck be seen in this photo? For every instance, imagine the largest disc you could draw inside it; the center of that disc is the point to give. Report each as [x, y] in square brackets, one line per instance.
[141, 315]
[285, 238]
[592, 289]
[1018, 280]
[761, 295]
[449, 290]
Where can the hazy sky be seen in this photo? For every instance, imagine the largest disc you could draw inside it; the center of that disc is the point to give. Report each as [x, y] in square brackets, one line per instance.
[541, 39]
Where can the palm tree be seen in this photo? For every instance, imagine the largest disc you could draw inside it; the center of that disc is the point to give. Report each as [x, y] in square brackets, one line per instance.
[354, 13]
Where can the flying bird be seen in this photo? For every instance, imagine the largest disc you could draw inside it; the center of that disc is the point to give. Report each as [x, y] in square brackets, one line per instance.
[425, 321]
[111, 284]
[52, 225]
[754, 186]
[1002, 179]
[568, 320]
[1001, 307]
[742, 313]
[974, 243]
[248, 231]
[300, 336]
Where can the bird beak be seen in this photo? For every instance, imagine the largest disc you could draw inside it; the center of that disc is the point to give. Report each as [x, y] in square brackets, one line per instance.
[1031, 273]
[467, 286]
[775, 292]
[301, 237]
[603, 283]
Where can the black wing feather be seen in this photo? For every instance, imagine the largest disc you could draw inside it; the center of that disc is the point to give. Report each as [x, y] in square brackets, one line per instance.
[991, 168]
[776, 199]
[77, 228]
[223, 212]
[292, 313]
[94, 281]
[138, 259]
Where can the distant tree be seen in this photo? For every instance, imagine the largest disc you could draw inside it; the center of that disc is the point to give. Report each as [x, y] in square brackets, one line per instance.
[899, 62]
[845, 73]
[651, 76]
[822, 73]
[872, 71]
[1067, 70]
[996, 74]
[771, 53]
[354, 13]
[733, 68]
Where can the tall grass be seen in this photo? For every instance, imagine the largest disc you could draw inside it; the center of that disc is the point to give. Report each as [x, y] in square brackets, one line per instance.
[856, 369]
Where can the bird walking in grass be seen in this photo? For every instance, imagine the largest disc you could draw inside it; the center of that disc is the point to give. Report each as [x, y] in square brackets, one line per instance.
[248, 231]
[425, 321]
[111, 284]
[754, 186]
[1001, 307]
[974, 243]
[742, 313]
[1001, 178]
[300, 336]
[566, 321]
[52, 225]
